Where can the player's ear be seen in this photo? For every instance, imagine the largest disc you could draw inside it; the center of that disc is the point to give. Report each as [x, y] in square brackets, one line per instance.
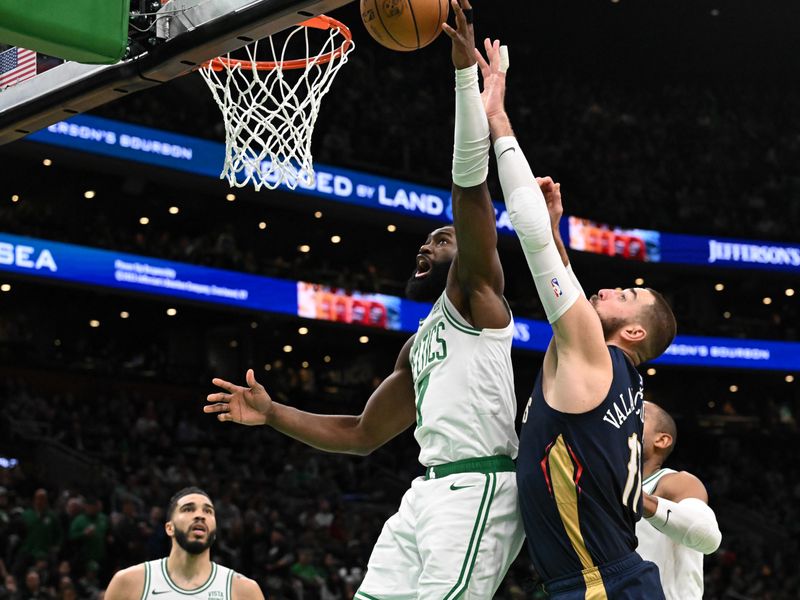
[663, 440]
[633, 332]
[169, 527]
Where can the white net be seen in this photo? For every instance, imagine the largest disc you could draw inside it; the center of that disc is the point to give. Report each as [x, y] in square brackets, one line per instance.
[269, 108]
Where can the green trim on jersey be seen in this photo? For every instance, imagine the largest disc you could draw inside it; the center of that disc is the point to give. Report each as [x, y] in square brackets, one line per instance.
[229, 585]
[484, 464]
[653, 476]
[480, 525]
[146, 580]
[365, 595]
[462, 328]
[191, 592]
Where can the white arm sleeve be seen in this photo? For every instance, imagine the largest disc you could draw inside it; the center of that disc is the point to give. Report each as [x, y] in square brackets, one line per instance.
[574, 280]
[527, 210]
[690, 522]
[472, 140]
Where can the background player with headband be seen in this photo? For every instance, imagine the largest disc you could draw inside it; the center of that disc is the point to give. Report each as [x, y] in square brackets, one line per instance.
[458, 528]
[578, 471]
[679, 527]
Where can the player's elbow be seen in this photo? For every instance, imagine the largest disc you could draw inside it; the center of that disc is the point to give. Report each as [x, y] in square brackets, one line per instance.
[528, 215]
[361, 443]
[704, 537]
[362, 450]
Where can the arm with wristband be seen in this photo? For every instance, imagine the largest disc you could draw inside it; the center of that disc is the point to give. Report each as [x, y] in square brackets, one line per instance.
[475, 283]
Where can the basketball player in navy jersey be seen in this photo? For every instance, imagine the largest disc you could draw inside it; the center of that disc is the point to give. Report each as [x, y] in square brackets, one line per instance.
[579, 466]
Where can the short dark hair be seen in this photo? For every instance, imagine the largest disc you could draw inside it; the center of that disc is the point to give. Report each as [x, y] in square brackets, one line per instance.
[659, 321]
[173, 502]
[664, 423]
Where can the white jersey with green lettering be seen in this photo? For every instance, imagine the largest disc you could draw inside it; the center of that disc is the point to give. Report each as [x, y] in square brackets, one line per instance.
[159, 586]
[464, 387]
[680, 568]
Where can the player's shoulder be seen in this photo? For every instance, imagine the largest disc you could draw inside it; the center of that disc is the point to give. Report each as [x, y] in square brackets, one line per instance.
[243, 588]
[679, 485]
[127, 583]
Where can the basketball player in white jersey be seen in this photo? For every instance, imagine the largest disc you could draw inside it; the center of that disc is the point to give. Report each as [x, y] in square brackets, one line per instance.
[458, 527]
[188, 571]
[679, 527]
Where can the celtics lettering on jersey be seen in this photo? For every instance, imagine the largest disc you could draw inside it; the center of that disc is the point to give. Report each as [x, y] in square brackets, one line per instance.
[462, 375]
[429, 349]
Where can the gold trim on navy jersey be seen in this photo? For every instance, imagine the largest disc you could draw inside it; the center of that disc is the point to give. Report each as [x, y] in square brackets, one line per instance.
[563, 472]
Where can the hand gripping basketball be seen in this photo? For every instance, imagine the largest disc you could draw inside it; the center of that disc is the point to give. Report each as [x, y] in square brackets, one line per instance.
[245, 405]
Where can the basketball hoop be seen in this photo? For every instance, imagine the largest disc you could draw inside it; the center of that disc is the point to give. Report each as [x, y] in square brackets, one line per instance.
[269, 119]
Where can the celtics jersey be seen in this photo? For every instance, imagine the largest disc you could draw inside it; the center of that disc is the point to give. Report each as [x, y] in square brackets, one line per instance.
[464, 388]
[681, 568]
[159, 586]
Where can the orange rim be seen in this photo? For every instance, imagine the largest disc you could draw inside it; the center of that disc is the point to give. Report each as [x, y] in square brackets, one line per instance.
[322, 22]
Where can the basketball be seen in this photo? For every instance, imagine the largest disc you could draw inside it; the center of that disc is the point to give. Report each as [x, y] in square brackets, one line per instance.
[404, 25]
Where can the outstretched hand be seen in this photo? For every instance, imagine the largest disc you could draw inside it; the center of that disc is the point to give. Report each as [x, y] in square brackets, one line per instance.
[493, 70]
[463, 37]
[245, 405]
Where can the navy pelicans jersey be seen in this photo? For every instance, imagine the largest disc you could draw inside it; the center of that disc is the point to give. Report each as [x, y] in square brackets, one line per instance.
[579, 477]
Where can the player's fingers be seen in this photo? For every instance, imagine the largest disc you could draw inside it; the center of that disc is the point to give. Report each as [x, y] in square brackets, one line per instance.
[466, 4]
[225, 385]
[217, 408]
[218, 397]
[224, 417]
[484, 66]
[451, 33]
[461, 20]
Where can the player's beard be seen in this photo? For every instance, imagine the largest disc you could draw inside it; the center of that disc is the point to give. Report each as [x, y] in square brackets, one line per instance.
[430, 287]
[611, 325]
[182, 537]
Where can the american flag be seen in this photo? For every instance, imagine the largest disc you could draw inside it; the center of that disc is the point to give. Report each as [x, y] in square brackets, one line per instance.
[16, 64]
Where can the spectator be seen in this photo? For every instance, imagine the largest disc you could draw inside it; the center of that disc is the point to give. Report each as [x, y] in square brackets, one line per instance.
[90, 530]
[42, 537]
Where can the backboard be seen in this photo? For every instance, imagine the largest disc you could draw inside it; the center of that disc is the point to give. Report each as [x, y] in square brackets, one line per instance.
[183, 34]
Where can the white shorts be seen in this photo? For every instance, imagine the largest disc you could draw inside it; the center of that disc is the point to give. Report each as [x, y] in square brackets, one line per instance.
[452, 538]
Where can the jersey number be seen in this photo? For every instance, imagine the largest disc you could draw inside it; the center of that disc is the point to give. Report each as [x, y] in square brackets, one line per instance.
[634, 479]
[422, 387]
[527, 408]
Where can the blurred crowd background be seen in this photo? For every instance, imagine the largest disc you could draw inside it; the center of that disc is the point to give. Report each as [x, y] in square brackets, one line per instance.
[692, 130]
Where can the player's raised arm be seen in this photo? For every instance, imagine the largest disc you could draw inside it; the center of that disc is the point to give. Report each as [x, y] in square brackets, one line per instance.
[389, 411]
[476, 282]
[584, 365]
